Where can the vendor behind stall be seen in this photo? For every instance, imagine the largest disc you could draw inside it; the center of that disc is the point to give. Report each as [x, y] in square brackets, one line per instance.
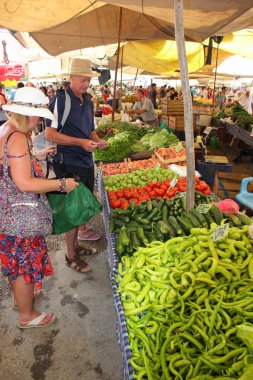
[144, 109]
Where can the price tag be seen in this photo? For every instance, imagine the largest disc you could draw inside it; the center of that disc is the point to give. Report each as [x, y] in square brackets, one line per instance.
[173, 182]
[220, 232]
[204, 208]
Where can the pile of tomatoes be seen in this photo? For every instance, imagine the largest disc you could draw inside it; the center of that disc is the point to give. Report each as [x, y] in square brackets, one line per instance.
[122, 198]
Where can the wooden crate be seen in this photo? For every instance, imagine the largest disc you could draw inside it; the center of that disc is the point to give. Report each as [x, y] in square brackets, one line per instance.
[177, 123]
[163, 159]
[227, 185]
[175, 108]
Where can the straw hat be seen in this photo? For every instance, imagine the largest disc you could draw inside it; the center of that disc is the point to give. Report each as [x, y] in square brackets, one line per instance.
[82, 67]
[30, 101]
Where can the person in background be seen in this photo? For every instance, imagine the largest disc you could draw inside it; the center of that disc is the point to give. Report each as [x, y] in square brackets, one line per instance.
[3, 101]
[228, 103]
[153, 95]
[144, 109]
[2, 93]
[204, 93]
[220, 98]
[13, 92]
[43, 89]
[162, 92]
[246, 100]
[25, 261]
[179, 96]
[106, 92]
[50, 93]
[75, 145]
[172, 93]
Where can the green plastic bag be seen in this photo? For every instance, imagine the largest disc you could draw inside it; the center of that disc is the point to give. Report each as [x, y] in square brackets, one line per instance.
[72, 209]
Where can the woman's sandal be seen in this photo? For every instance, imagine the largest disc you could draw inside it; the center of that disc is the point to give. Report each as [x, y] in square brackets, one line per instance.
[77, 264]
[38, 321]
[82, 251]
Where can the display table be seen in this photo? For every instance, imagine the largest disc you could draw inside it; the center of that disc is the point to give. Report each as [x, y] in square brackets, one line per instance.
[240, 133]
[113, 260]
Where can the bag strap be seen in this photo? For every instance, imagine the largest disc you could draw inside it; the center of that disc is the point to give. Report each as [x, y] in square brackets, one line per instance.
[5, 158]
[66, 110]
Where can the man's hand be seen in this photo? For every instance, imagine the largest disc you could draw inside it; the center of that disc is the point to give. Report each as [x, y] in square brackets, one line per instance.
[89, 145]
[102, 144]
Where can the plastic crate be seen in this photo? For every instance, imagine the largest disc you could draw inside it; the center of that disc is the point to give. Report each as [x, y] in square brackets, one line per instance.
[208, 170]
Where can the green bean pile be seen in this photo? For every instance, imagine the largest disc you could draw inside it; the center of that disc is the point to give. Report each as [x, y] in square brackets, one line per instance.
[184, 300]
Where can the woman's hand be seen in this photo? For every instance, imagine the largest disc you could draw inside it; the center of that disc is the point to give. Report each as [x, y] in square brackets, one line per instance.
[71, 184]
[47, 152]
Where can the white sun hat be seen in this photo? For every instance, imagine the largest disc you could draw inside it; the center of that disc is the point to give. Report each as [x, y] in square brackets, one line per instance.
[30, 101]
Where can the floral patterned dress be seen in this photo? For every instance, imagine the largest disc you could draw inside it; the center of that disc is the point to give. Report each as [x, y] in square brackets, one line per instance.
[26, 257]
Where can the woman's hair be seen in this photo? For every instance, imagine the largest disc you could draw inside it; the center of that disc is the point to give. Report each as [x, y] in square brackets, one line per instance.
[21, 121]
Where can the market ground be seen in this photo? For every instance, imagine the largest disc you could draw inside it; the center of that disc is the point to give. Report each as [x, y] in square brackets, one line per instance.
[82, 343]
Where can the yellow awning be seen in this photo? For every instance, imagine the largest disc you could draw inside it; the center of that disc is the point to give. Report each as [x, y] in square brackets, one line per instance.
[161, 56]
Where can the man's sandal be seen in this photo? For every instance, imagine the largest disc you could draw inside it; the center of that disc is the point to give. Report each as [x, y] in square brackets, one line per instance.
[77, 264]
[83, 251]
[38, 321]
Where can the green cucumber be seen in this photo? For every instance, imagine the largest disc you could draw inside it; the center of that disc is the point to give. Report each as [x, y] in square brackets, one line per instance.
[209, 218]
[245, 219]
[194, 221]
[174, 225]
[165, 213]
[135, 240]
[123, 237]
[151, 236]
[164, 228]
[199, 217]
[141, 235]
[217, 214]
[186, 225]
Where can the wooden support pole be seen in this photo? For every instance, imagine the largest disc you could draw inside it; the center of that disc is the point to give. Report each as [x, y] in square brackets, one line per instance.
[188, 122]
[117, 65]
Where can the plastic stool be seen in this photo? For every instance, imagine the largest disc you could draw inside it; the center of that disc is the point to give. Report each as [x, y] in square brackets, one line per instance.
[244, 197]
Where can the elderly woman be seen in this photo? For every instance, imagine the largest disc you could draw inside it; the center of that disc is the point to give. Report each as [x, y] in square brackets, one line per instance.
[24, 259]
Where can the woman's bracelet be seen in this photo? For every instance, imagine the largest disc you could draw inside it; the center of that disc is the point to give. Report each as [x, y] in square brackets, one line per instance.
[63, 185]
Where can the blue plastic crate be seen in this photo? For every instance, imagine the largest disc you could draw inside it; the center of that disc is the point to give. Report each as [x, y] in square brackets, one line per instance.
[208, 170]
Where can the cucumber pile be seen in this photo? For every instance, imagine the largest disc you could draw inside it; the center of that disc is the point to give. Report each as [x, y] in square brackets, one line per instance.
[164, 219]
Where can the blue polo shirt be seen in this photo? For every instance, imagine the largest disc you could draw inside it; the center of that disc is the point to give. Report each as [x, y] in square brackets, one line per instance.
[80, 124]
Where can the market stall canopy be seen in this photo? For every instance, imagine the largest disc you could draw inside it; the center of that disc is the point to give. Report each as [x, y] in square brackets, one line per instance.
[61, 26]
[161, 57]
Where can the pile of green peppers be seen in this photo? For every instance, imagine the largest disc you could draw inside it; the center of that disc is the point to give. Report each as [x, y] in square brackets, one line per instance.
[183, 300]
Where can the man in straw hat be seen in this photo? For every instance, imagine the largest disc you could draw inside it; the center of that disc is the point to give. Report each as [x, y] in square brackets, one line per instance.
[75, 143]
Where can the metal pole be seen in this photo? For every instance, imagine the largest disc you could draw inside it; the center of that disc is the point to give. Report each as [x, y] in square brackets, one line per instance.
[117, 64]
[135, 77]
[215, 73]
[188, 122]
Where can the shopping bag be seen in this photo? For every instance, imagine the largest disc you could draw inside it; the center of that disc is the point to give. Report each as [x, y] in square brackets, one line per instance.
[72, 209]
